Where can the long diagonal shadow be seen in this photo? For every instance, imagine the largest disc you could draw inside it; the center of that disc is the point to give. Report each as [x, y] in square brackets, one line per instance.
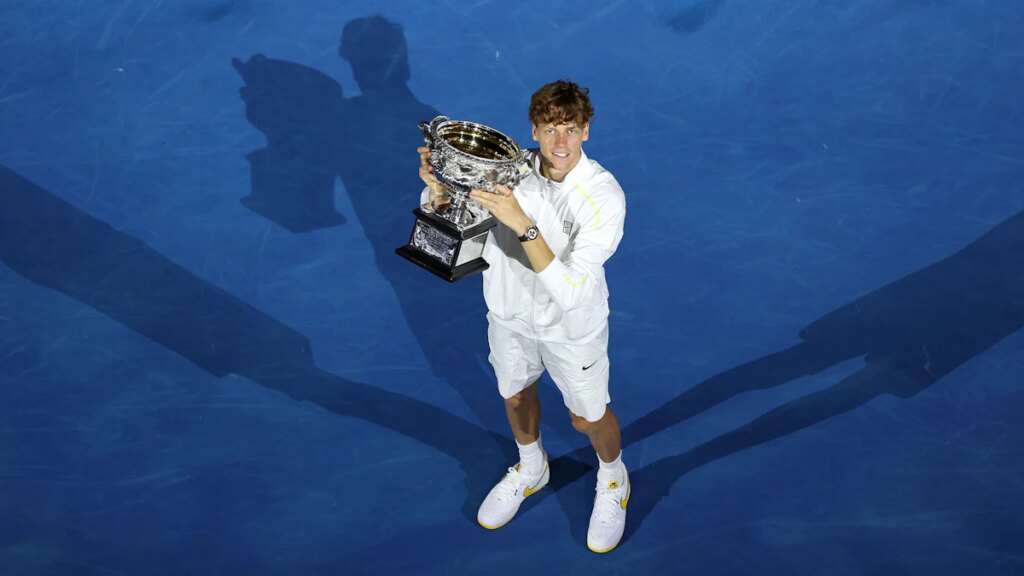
[912, 333]
[54, 244]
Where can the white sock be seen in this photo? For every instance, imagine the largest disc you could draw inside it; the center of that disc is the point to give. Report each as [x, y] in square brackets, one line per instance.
[531, 458]
[611, 471]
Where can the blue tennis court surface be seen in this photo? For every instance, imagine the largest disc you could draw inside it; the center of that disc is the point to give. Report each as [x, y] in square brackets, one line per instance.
[212, 361]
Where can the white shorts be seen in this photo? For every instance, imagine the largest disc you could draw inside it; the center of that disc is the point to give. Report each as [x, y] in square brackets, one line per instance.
[579, 370]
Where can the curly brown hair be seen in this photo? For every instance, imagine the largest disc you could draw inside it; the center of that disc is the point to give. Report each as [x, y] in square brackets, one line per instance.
[561, 102]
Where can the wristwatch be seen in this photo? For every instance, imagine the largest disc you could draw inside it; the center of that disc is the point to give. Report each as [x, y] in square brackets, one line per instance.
[531, 233]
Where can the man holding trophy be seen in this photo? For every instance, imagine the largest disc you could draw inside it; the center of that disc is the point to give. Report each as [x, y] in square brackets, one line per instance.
[547, 299]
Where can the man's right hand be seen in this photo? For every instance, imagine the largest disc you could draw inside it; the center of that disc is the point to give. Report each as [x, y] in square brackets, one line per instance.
[427, 175]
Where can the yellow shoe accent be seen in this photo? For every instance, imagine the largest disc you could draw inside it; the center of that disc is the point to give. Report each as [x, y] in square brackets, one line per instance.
[534, 489]
[527, 492]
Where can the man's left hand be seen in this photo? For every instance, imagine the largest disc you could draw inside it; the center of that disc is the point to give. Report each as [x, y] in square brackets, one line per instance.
[504, 206]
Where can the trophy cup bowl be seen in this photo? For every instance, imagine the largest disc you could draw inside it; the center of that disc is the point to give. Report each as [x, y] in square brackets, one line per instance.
[449, 234]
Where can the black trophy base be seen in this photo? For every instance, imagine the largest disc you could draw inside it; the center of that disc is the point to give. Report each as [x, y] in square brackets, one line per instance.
[440, 247]
[429, 264]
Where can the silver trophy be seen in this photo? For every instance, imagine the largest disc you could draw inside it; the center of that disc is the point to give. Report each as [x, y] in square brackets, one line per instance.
[449, 234]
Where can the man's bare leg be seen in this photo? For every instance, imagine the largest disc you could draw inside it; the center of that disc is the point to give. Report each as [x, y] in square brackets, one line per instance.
[523, 411]
[604, 434]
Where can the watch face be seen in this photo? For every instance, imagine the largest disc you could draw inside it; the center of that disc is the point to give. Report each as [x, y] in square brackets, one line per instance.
[531, 232]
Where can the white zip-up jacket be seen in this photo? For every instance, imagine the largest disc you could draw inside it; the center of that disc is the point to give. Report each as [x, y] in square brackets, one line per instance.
[581, 219]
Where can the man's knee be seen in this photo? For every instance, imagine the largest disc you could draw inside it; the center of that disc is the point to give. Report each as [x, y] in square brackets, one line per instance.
[514, 401]
[589, 427]
[525, 395]
[581, 424]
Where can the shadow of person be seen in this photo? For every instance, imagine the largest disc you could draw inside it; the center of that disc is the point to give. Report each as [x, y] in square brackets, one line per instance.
[299, 110]
[314, 134]
[54, 244]
[377, 161]
[911, 333]
[929, 322]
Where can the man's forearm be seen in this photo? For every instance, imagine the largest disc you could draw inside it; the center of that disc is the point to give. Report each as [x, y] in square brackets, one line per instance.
[539, 253]
[537, 250]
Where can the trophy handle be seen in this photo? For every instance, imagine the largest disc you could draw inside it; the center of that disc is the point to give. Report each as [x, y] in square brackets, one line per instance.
[428, 138]
[427, 128]
[521, 157]
[523, 165]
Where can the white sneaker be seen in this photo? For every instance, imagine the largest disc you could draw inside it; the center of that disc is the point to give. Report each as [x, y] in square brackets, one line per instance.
[503, 500]
[608, 520]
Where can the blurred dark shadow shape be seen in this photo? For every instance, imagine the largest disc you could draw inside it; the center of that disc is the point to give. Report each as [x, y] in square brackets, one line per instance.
[911, 333]
[694, 17]
[300, 110]
[922, 327]
[54, 244]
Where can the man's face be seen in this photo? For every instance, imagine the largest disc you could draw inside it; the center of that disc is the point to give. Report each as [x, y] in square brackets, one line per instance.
[561, 147]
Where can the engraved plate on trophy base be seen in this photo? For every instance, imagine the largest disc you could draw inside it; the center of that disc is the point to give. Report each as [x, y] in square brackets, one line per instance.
[439, 246]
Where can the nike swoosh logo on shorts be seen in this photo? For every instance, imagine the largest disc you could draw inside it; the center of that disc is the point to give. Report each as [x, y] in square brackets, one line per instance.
[586, 367]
